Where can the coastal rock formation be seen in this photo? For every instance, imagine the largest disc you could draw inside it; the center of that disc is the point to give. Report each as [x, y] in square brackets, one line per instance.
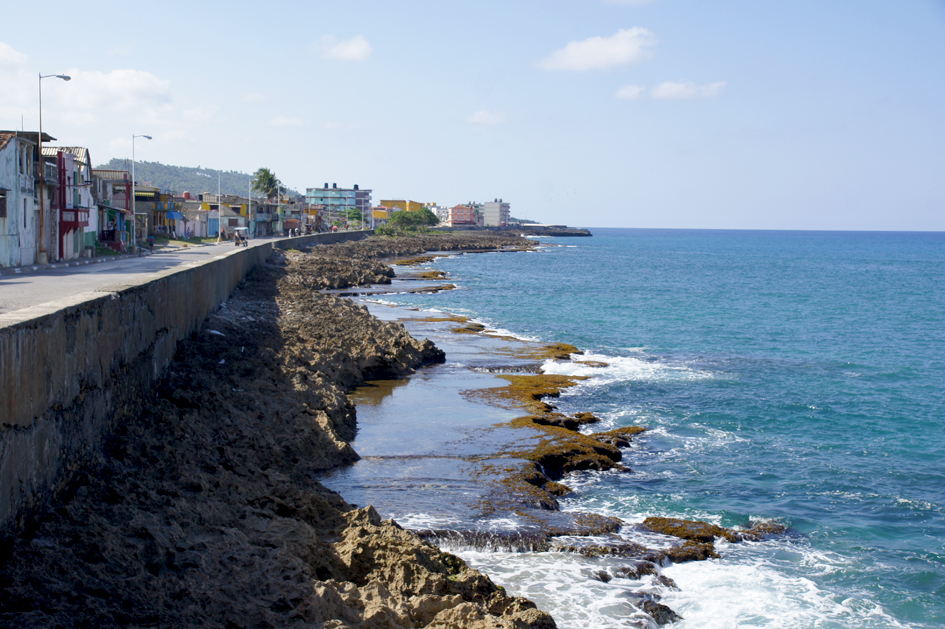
[204, 511]
[400, 248]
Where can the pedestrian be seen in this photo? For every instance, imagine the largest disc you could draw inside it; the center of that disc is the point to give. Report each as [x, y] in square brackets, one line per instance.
[151, 243]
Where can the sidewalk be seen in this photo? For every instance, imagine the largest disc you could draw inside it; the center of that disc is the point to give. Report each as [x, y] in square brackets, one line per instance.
[17, 270]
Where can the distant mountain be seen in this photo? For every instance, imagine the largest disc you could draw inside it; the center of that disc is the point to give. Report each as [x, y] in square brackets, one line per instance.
[185, 178]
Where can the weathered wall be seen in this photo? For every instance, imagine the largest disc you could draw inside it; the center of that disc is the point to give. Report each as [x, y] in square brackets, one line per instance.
[71, 370]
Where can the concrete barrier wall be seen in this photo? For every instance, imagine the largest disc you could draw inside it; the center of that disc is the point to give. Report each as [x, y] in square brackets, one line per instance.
[71, 370]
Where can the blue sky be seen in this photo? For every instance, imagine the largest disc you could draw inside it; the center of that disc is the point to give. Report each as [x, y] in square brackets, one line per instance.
[660, 113]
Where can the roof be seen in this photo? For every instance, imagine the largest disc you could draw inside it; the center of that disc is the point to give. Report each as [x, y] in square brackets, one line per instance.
[104, 173]
[32, 136]
[6, 136]
[80, 152]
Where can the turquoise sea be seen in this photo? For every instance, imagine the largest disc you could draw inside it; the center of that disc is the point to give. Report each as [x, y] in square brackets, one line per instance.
[797, 376]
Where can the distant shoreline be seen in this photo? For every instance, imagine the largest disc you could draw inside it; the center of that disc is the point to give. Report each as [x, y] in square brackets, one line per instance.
[557, 231]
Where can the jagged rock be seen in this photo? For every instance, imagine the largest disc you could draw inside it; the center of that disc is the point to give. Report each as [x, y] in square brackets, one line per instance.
[660, 613]
[203, 511]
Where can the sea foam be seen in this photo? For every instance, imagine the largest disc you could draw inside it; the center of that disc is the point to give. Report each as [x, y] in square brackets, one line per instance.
[603, 370]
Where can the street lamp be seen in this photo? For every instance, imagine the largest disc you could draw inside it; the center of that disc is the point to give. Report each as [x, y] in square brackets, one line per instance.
[134, 214]
[42, 258]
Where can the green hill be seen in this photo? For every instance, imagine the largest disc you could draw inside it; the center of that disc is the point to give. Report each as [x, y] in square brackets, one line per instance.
[185, 178]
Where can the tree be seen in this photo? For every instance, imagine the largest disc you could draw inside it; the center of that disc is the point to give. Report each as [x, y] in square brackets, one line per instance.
[412, 220]
[266, 182]
[352, 215]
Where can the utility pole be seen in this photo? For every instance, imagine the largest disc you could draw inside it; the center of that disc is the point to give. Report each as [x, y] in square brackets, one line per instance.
[42, 258]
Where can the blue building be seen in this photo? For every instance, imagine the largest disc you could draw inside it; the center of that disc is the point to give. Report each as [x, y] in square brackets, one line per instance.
[336, 200]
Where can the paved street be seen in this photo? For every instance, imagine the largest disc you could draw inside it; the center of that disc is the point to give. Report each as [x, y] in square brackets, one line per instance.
[37, 287]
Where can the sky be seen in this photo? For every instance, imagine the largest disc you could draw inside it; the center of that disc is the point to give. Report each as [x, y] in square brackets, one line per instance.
[726, 114]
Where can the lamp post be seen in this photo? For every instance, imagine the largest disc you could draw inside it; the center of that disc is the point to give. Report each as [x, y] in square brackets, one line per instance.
[42, 258]
[134, 214]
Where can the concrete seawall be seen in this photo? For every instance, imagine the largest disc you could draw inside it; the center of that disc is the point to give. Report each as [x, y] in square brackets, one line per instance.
[72, 370]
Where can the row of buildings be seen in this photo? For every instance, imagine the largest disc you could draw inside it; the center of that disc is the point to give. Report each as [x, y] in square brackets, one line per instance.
[490, 214]
[55, 206]
[58, 180]
[335, 201]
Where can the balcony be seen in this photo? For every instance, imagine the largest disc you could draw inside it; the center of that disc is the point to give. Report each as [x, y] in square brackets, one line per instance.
[51, 173]
[74, 218]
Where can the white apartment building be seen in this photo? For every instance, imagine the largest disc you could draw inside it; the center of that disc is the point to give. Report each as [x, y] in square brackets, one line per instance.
[495, 213]
[442, 212]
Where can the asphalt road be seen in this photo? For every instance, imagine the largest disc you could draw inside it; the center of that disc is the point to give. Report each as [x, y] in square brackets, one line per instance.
[38, 287]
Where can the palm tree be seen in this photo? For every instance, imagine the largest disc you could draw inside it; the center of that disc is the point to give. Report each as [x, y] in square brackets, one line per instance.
[265, 181]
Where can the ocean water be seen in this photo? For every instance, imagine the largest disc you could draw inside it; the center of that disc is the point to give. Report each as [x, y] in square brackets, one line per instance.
[797, 376]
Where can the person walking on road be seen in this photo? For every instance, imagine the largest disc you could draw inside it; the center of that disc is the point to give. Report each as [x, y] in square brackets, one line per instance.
[151, 244]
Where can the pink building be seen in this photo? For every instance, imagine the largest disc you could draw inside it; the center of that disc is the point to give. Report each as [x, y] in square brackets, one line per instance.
[462, 215]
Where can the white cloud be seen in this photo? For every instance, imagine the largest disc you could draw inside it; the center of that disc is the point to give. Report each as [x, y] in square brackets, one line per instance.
[79, 118]
[18, 90]
[10, 59]
[687, 89]
[201, 113]
[118, 90]
[287, 121]
[630, 92]
[483, 117]
[354, 49]
[628, 45]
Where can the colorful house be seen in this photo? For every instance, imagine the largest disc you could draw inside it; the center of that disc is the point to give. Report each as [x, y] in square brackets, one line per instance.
[112, 193]
[400, 205]
[462, 215]
[19, 211]
[76, 209]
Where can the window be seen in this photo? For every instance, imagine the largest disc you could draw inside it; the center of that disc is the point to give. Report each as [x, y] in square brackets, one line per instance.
[24, 213]
[3, 203]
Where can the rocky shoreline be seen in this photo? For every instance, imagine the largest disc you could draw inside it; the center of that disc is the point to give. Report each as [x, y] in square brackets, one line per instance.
[204, 510]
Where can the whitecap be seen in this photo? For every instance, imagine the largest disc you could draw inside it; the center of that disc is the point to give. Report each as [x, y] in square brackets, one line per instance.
[749, 589]
[622, 369]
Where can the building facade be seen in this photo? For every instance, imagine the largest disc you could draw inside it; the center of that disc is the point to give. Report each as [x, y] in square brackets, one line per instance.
[19, 212]
[336, 200]
[495, 213]
[74, 206]
[442, 213]
[112, 194]
[462, 215]
[400, 205]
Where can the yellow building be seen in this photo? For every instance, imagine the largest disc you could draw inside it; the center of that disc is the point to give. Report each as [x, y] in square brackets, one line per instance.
[381, 213]
[404, 206]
